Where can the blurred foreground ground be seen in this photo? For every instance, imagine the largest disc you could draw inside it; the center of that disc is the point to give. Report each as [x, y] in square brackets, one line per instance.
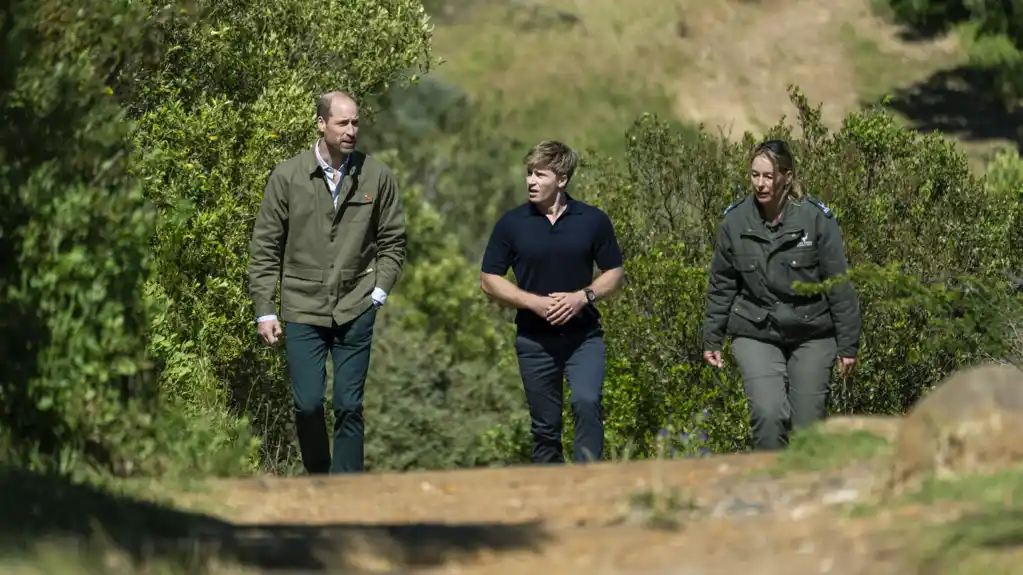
[814, 509]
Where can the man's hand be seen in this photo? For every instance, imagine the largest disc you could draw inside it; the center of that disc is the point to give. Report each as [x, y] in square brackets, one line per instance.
[846, 365]
[269, 331]
[566, 306]
[713, 358]
[540, 304]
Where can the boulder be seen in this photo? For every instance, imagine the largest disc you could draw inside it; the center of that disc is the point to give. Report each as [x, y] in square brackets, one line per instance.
[971, 422]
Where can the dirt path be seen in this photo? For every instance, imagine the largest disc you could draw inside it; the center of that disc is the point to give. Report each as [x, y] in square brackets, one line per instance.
[731, 517]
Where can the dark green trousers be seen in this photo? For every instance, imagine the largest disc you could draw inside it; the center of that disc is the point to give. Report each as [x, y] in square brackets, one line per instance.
[349, 347]
[787, 386]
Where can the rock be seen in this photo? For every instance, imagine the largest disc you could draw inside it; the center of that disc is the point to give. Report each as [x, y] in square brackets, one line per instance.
[973, 421]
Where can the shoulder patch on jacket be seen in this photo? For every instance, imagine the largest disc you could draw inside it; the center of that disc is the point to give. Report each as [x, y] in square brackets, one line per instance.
[732, 207]
[827, 211]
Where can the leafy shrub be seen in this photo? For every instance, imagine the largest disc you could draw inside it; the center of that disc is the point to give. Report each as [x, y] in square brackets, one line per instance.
[73, 233]
[77, 390]
[927, 242]
[443, 389]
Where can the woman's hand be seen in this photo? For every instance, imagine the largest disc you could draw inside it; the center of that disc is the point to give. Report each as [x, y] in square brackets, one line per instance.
[846, 365]
[713, 358]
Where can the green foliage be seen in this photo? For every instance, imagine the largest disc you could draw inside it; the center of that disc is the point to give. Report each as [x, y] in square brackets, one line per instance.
[233, 98]
[468, 169]
[73, 232]
[815, 448]
[77, 390]
[927, 241]
[444, 379]
[1005, 176]
[993, 30]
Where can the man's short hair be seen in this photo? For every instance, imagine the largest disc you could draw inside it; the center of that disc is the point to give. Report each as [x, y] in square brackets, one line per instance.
[554, 156]
[325, 102]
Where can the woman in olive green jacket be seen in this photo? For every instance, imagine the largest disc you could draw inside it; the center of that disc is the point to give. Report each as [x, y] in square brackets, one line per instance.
[785, 344]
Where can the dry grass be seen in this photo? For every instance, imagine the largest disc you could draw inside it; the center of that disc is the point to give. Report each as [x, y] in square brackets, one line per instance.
[584, 82]
[583, 70]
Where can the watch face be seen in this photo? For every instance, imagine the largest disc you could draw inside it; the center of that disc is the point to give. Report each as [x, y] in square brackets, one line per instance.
[590, 295]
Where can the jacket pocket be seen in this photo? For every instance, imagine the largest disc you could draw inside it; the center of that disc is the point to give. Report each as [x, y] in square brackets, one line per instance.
[351, 273]
[811, 311]
[749, 311]
[357, 209]
[302, 289]
[751, 272]
[746, 264]
[804, 320]
[802, 266]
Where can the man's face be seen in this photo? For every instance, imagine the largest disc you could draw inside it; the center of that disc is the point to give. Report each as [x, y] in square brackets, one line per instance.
[341, 130]
[543, 185]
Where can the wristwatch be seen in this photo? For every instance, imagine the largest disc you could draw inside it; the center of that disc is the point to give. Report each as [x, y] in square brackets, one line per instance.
[590, 296]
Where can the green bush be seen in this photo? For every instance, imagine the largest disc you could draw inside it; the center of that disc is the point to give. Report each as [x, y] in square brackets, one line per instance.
[73, 233]
[77, 391]
[927, 242]
[443, 388]
[1005, 176]
[469, 170]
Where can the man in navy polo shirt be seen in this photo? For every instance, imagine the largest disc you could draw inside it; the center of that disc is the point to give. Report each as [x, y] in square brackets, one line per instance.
[552, 243]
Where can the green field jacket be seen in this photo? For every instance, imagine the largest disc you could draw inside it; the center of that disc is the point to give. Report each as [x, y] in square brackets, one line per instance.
[327, 261]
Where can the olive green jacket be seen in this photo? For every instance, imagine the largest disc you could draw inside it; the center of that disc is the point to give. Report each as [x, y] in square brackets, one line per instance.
[754, 266]
[328, 262]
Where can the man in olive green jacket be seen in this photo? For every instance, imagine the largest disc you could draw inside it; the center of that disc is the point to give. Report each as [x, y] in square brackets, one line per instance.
[331, 227]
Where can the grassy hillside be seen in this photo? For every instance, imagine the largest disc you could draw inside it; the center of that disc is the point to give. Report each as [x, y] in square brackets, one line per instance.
[583, 70]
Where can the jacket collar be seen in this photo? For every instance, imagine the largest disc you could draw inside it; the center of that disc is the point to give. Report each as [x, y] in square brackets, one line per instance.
[311, 163]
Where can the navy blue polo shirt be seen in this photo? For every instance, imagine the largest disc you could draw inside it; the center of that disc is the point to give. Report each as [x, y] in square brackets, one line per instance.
[548, 258]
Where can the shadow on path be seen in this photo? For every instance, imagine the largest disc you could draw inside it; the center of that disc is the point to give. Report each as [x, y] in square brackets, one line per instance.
[36, 507]
[961, 103]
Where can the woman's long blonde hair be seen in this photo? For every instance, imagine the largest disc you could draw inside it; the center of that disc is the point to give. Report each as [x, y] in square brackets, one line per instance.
[778, 153]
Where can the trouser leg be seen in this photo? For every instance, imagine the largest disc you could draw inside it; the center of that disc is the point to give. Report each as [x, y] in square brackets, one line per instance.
[763, 366]
[542, 377]
[809, 369]
[585, 370]
[306, 347]
[351, 354]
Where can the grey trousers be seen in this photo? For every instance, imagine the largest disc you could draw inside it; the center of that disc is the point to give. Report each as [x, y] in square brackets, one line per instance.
[787, 386]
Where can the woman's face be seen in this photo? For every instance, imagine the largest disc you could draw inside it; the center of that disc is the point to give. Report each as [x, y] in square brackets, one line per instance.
[768, 185]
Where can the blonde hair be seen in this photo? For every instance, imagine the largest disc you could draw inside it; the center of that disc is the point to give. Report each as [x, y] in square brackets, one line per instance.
[777, 152]
[554, 156]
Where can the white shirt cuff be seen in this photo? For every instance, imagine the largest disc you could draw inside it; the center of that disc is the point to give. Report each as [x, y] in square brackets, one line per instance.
[379, 297]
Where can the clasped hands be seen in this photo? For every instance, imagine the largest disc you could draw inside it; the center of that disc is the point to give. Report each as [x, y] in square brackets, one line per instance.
[559, 307]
